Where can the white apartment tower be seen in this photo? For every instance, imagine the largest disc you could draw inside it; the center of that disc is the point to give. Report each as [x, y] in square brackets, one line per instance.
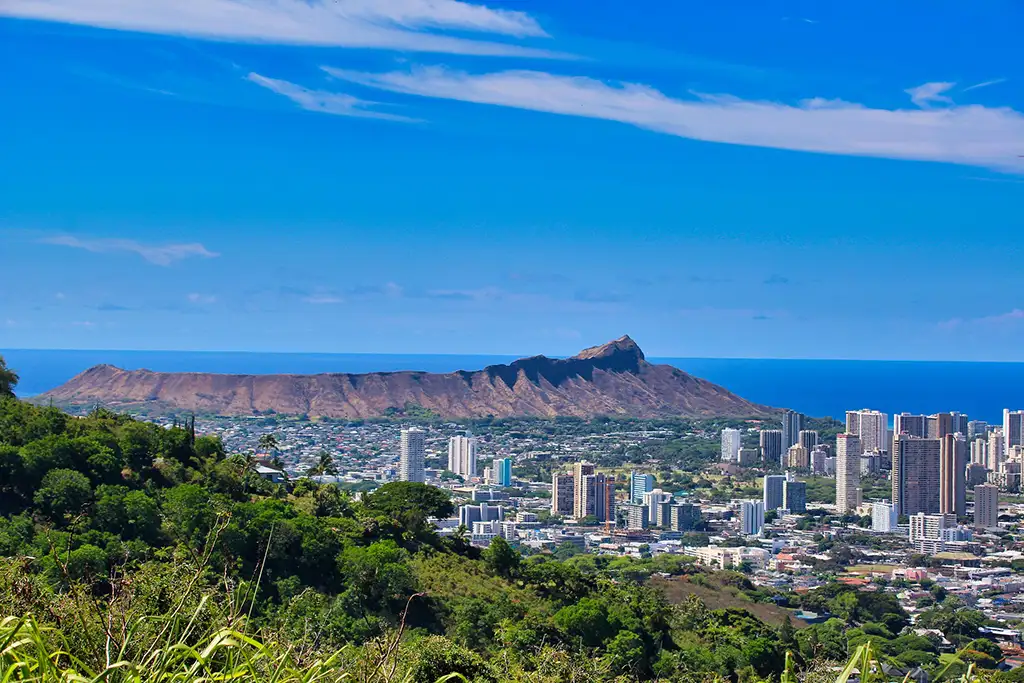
[462, 455]
[410, 464]
[751, 517]
[996, 450]
[871, 426]
[848, 452]
[883, 517]
[731, 443]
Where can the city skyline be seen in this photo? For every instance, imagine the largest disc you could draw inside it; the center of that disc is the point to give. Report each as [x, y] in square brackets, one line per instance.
[511, 178]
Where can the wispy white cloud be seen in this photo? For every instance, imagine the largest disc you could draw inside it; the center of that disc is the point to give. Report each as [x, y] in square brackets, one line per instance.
[386, 24]
[160, 254]
[971, 135]
[326, 102]
[201, 299]
[1014, 316]
[927, 93]
[323, 299]
[985, 84]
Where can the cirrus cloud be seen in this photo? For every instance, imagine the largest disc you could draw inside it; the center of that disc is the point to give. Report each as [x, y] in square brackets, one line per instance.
[384, 24]
[326, 102]
[970, 135]
[159, 254]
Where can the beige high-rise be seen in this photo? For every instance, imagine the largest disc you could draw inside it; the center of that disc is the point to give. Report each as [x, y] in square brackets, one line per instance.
[848, 452]
[953, 475]
[986, 506]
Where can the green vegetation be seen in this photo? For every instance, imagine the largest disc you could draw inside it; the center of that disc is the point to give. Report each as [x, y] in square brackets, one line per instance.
[153, 551]
[137, 553]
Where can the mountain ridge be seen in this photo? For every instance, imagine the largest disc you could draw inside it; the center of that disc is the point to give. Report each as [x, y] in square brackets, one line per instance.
[609, 379]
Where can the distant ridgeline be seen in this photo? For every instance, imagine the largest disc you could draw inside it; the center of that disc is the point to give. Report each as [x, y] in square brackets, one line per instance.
[612, 379]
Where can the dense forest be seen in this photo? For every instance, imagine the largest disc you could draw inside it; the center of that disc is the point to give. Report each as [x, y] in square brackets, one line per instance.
[125, 545]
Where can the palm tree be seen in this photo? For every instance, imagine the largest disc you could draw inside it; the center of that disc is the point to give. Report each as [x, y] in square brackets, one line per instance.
[325, 464]
[268, 443]
[8, 379]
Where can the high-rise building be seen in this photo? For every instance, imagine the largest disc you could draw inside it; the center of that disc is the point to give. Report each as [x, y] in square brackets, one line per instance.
[792, 425]
[732, 441]
[871, 426]
[639, 484]
[462, 455]
[770, 442]
[848, 451]
[977, 429]
[479, 513]
[657, 502]
[939, 425]
[818, 456]
[959, 423]
[808, 438]
[771, 491]
[976, 474]
[909, 424]
[996, 450]
[410, 462]
[636, 516]
[580, 471]
[751, 517]
[592, 493]
[562, 494]
[683, 516]
[979, 451]
[952, 475]
[502, 471]
[1013, 429]
[794, 496]
[986, 506]
[748, 457]
[929, 527]
[797, 457]
[883, 517]
[915, 474]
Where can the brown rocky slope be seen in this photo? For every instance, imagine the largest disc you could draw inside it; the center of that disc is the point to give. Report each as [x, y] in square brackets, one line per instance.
[611, 379]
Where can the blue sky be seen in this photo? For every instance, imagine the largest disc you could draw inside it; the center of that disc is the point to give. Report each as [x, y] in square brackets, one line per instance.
[751, 179]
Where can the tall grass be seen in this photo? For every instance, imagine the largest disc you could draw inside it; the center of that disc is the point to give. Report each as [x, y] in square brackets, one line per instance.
[32, 653]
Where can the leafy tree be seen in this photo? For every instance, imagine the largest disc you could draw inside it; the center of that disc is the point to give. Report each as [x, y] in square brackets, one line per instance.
[378, 575]
[87, 563]
[411, 503]
[626, 654]
[586, 622]
[8, 379]
[63, 493]
[189, 513]
[501, 558]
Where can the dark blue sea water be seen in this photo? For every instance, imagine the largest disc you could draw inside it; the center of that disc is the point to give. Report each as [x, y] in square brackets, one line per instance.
[814, 387]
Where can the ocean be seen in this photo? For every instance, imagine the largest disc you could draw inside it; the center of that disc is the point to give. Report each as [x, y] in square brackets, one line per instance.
[813, 387]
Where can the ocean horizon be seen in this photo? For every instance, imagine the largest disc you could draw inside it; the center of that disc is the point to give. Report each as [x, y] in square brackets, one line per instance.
[815, 387]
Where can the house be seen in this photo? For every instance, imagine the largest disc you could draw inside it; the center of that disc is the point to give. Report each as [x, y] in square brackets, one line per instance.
[270, 474]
